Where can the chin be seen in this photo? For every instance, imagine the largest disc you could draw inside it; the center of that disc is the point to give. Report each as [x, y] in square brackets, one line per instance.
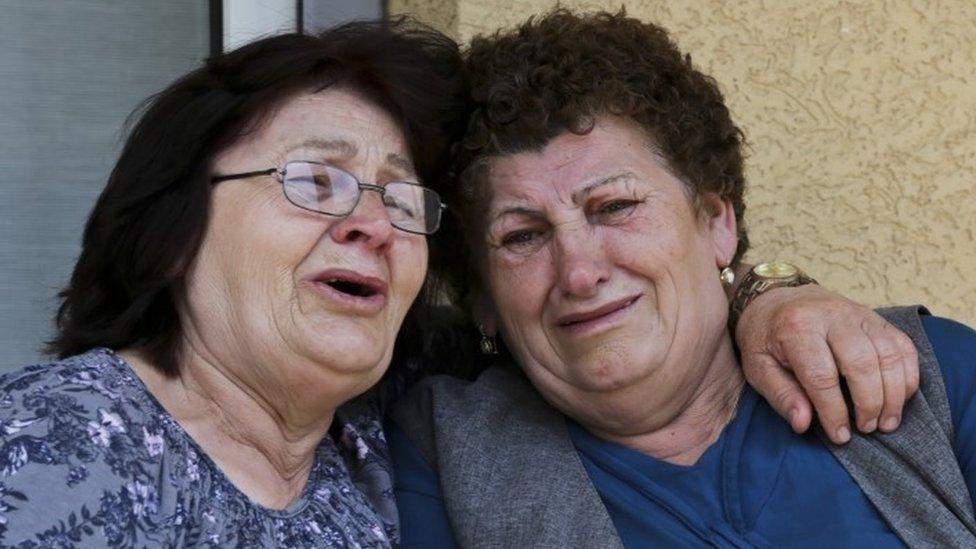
[351, 351]
[604, 375]
[612, 367]
[601, 383]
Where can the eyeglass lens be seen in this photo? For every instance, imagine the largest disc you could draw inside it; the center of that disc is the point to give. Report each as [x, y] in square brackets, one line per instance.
[332, 191]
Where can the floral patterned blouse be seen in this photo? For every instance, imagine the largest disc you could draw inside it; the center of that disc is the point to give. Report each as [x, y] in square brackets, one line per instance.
[89, 458]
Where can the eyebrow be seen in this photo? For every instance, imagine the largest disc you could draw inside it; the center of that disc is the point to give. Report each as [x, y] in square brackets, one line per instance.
[347, 149]
[577, 197]
[341, 146]
[517, 210]
[580, 195]
[399, 161]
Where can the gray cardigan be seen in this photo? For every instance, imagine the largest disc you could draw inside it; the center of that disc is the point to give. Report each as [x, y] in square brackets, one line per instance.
[496, 443]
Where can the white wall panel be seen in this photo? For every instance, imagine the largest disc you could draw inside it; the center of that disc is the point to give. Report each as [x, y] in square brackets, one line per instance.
[246, 20]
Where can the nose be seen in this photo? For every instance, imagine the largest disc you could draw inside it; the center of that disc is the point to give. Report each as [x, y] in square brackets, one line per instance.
[581, 263]
[368, 224]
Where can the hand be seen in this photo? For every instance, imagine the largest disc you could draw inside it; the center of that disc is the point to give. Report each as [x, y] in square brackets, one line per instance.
[797, 343]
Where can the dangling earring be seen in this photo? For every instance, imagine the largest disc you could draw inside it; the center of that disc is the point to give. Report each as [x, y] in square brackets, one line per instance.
[488, 345]
[727, 276]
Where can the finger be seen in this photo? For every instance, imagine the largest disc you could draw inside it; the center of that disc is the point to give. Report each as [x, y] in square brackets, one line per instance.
[813, 365]
[858, 362]
[910, 362]
[891, 360]
[780, 388]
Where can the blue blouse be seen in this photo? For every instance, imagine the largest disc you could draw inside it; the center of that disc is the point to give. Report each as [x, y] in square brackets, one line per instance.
[759, 484]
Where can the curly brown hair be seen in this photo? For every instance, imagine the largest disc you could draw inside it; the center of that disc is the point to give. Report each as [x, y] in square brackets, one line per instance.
[557, 73]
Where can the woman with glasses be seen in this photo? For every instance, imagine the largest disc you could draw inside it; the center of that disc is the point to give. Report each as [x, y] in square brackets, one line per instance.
[244, 273]
[259, 248]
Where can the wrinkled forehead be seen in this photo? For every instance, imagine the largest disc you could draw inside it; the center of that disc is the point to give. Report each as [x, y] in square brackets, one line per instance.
[570, 164]
[338, 113]
[338, 124]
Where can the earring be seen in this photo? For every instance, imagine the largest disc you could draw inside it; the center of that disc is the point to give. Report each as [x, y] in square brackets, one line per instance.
[727, 276]
[488, 345]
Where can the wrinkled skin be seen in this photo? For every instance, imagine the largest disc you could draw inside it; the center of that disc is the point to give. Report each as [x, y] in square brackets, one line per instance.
[555, 251]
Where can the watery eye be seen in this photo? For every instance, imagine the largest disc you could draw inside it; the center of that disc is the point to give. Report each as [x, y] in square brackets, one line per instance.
[401, 206]
[614, 211]
[618, 206]
[521, 238]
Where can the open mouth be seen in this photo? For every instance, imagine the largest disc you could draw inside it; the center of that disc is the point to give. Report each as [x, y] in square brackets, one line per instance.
[351, 287]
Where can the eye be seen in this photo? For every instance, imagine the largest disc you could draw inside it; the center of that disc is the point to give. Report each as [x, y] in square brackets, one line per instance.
[616, 210]
[522, 238]
[619, 206]
[397, 203]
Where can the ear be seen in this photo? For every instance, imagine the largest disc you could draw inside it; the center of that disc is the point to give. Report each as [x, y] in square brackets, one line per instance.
[722, 228]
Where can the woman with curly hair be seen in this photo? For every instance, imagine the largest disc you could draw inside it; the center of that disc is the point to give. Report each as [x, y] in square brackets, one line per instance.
[602, 198]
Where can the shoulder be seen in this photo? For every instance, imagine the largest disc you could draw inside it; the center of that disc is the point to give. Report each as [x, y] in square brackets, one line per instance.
[496, 388]
[42, 399]
[73, 372]
[433, 397]
[949, 337]
[954, 345]
[77, 445]
[501, 381]
[447, 416]
[42, 402]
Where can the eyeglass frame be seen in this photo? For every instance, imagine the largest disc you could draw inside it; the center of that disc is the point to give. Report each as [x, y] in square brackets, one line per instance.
[280, 173]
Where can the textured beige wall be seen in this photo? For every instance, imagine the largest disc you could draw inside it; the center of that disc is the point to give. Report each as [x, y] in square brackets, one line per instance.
[862, 122]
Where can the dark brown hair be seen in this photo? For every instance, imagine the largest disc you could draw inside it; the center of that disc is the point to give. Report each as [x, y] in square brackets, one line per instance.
[148, 223]
[556, 73]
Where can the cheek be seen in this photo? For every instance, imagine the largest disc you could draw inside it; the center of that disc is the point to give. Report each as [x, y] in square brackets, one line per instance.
[255, 231]
[273, 257]
[258, 261]
[242, 276]
[654, 247]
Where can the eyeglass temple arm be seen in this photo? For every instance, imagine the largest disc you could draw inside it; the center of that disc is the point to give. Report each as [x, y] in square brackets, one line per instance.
[219, 178]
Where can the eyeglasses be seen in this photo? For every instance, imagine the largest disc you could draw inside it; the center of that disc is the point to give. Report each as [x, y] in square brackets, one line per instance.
[328, 190]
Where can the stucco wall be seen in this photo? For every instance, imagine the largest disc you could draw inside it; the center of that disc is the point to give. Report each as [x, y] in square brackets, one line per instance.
[862, 122]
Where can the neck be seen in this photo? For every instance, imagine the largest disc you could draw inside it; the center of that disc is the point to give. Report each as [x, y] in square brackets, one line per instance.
[699, 422]
[262, 437]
